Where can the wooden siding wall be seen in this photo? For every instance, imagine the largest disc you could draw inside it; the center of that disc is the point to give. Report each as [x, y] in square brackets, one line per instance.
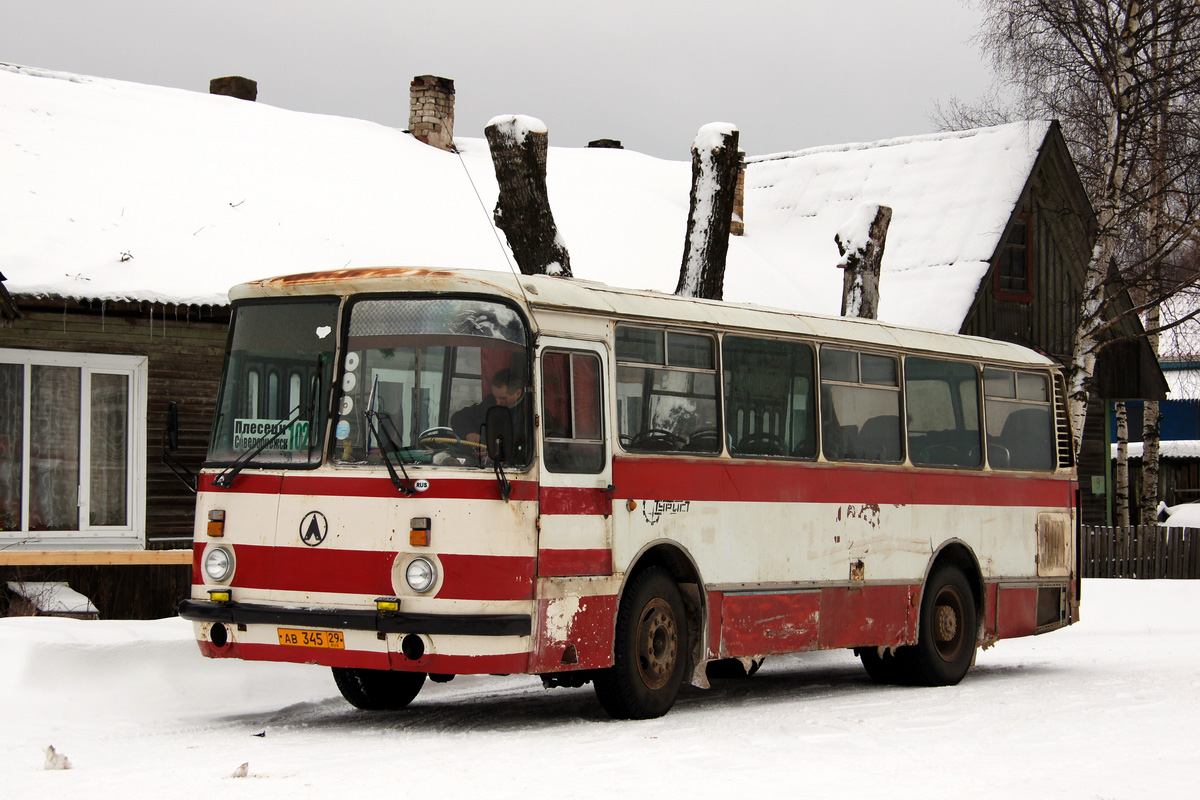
[1061, 245]
[1178, 482]
[184, 346]
[1093, 463]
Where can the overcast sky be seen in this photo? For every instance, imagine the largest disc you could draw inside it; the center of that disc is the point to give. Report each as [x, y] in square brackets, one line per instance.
[789, 73]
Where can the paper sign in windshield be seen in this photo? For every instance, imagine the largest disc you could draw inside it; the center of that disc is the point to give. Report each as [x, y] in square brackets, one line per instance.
[248, 433]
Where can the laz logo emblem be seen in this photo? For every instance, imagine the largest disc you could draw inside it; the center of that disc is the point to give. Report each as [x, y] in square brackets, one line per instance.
[313, 528]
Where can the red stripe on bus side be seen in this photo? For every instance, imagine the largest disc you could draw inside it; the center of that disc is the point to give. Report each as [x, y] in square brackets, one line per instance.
[449, 664]
[726, 481]
[561, 563]
[566, 500]
[486, 577]
[1016, 613]
[294, 569]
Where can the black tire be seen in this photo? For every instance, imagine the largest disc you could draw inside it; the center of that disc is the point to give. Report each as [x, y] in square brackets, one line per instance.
[650, 650]
[889, 669]
[946, 640]
[730, 669]
[377, 689]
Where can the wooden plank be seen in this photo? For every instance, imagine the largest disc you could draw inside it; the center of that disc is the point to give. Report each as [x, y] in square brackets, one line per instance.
[93, 557]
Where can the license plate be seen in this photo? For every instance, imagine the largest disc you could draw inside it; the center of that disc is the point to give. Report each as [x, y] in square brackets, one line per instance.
[332, 640]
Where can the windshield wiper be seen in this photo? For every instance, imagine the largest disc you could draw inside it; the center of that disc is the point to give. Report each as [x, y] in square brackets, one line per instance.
[225, 479]
[386, 443]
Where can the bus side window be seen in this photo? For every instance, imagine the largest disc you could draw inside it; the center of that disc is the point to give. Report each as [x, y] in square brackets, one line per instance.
[1020, 424]
[942, 401]
[860, 406]
[769, 397]
[572, 431]
[666, 391]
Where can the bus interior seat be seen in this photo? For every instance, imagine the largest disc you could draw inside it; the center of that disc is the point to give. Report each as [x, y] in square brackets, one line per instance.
[1027, 437]
[879, 439]
[705, 440]
[762, 443]
[839, 441]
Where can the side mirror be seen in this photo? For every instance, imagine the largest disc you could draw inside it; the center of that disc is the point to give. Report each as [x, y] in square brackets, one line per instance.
[171, 444]
[172, 432]
[498, 430]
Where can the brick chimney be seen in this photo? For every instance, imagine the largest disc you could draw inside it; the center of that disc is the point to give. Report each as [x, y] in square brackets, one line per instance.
[431, 110]
[234, 86]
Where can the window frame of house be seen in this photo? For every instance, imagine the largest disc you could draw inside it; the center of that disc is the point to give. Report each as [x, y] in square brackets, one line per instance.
[131, 534]
[1024, 220]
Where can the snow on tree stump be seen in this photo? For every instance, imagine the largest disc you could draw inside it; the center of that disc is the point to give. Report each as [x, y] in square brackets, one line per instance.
[860, 241]
[518, 145]
[715, 160]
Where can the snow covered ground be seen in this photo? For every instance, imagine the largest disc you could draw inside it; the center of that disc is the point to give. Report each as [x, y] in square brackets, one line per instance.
[1105, 709]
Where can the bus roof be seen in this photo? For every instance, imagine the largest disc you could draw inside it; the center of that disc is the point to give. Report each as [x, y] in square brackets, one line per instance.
[543, 295]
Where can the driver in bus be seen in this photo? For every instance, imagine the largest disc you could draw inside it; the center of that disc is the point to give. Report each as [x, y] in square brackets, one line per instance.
[508, 390]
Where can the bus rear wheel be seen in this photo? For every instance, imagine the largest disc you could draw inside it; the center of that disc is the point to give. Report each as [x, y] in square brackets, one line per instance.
[946, 641]
[650, 650]
[377, 689]
[884, 666]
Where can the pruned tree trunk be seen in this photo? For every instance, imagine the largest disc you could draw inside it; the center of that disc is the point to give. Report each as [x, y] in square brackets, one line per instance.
[518, 145]
[861, 241]
[714, 178]
[1121, 478]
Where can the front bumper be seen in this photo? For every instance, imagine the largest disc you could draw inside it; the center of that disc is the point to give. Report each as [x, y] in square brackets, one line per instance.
[357, 619]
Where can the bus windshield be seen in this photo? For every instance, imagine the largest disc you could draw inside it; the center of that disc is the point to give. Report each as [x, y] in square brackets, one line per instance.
[419, 375]
[275, 387]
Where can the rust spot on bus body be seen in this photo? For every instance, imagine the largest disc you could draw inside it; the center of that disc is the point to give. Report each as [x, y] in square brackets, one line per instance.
[356, 273]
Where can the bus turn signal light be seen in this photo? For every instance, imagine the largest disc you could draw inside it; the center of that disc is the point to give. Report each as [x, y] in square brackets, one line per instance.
[418, 535]
[216, 522]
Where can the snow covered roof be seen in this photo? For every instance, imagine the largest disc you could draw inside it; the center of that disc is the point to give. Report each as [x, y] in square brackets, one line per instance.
[1182, 384]
[1168, 448]
[951, 195]
[1182, 342]
[116, 190]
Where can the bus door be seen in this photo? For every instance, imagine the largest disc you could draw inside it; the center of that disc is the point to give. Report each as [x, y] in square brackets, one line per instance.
[575, 599]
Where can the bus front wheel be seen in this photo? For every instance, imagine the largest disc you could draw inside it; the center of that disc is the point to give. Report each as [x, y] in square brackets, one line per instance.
[650, 650]
[946, 642]
[377, 689]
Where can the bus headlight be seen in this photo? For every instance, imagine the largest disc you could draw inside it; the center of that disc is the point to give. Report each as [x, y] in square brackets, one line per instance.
[218, 564]
[420, 574]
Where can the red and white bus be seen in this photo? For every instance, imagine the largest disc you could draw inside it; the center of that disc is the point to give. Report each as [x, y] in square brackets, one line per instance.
[421, 473]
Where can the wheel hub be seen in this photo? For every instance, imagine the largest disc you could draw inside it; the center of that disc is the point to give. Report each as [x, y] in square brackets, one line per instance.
[657, 643]
[946, 623]
[948, 611]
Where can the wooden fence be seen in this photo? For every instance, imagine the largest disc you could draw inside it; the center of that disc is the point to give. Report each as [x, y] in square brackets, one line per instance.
[1140, 551]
